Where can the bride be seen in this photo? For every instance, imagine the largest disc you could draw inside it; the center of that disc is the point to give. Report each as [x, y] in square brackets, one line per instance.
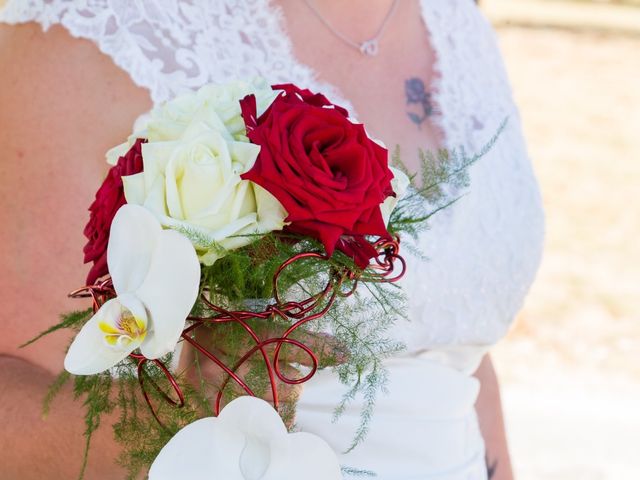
[420, 74]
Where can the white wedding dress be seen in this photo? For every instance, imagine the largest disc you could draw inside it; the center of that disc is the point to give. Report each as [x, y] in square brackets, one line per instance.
[484, 251]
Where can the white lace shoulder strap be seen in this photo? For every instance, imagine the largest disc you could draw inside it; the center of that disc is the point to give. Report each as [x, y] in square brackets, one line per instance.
[169, 46]
[472, 86]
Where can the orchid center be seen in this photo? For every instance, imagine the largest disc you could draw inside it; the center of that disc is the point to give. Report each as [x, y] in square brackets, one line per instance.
[122, 328]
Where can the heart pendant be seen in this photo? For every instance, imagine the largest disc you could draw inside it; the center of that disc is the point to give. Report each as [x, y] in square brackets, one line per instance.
[369, 48]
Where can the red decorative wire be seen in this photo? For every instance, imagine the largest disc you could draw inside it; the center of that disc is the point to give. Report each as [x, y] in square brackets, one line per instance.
[296, 314]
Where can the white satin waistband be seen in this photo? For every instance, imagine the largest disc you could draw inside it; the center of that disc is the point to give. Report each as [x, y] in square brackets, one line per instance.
[423, 427]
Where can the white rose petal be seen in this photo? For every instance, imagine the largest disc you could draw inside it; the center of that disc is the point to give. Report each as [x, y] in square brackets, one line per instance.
[118, 151]
[196, 153]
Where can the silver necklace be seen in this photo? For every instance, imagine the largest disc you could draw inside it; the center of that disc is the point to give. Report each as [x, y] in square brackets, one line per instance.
[368, 47]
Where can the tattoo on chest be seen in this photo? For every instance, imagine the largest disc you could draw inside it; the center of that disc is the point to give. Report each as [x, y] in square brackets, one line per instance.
[491, 467]
[418, 101]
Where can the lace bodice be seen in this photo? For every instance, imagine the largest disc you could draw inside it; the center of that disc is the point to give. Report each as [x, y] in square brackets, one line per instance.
[484, 251]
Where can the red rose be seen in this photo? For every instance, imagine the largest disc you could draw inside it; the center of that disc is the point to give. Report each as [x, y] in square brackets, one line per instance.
[327, 173]
[109, 198]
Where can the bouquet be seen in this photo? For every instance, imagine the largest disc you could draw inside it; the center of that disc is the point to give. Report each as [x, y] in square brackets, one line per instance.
[259, 228]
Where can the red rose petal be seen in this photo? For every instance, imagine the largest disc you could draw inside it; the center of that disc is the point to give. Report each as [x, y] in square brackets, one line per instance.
[327, 173]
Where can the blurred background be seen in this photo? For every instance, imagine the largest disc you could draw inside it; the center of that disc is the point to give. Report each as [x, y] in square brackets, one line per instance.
[570, 367]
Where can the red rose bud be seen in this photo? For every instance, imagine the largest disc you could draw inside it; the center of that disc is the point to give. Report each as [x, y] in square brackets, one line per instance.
[109, 198]
[327, 173]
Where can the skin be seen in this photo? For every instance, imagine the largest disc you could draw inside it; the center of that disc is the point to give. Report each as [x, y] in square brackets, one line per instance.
[490, 416]
[54, 92]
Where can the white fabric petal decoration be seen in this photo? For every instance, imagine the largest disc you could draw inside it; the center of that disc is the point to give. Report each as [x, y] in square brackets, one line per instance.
[247, 441]
[156, 276]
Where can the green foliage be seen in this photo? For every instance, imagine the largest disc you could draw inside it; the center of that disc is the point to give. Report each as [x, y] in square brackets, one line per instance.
[363, 325]
[97, 402]
[248, 272]
[356, 472]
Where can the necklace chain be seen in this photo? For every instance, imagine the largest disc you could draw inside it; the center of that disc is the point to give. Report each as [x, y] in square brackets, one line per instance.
[368, 47]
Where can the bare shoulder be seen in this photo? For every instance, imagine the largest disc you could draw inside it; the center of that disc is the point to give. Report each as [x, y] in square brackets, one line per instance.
[66, 74]
[62, 105]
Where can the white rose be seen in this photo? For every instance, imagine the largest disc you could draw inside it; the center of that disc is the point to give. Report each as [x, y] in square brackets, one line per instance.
[192, 182]
[215, 105]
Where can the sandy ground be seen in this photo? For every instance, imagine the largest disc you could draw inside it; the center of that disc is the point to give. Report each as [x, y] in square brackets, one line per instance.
[571, 366]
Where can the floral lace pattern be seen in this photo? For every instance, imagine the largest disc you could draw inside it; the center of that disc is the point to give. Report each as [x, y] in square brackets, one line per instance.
[170, 46]
[484, 251]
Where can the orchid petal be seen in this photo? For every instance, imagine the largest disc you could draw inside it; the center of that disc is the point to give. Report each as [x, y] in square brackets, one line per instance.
[303, 452]
[248, 441]
[132, 241]
[169, 292]
[90, 353]
[261, 426]
[270, 452]
[252, 415]
[209, 449]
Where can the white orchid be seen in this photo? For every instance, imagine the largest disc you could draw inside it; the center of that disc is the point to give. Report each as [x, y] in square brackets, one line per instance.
[156, 276]
[247, 441]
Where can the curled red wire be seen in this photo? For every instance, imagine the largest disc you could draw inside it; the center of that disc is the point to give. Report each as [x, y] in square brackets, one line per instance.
[294, 313]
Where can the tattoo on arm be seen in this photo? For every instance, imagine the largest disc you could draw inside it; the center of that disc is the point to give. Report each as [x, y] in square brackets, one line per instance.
[491, 467]
[419, 99]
